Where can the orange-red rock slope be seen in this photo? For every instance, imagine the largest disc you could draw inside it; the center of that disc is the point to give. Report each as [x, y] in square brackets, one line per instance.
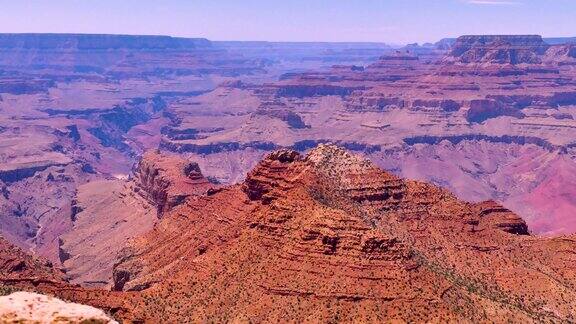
[330, 237]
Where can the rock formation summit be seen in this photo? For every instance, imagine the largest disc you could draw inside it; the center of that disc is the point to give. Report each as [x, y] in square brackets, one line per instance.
[331, 237]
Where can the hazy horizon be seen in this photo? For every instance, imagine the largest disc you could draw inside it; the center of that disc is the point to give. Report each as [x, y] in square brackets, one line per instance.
[392, 22]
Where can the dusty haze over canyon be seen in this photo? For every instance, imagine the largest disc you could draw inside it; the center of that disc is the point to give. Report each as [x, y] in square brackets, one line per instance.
[168, 179]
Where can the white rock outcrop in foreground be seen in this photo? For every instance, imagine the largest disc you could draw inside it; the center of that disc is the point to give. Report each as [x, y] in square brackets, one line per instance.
[26, 307]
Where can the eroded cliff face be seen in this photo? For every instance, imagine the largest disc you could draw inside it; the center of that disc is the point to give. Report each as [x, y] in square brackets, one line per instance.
[16, 265]
[561, 54]
[329, 236]
[167, 181]
[498, 49]
[484, 109]
[107, 214]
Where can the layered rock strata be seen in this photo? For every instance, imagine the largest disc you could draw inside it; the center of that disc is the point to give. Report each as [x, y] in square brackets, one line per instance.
[329, 236]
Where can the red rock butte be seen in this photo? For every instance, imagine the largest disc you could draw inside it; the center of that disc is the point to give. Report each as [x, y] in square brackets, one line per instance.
[329, 236]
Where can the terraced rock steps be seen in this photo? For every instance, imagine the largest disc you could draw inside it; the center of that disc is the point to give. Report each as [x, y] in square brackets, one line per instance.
[330, 236]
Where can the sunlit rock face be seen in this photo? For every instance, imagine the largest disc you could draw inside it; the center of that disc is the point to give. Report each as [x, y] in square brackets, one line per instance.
[331, 226]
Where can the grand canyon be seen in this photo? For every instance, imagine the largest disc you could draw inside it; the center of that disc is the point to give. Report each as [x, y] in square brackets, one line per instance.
[164, 179]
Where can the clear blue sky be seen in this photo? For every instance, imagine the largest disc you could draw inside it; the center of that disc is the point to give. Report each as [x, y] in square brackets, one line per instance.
[393, 21]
